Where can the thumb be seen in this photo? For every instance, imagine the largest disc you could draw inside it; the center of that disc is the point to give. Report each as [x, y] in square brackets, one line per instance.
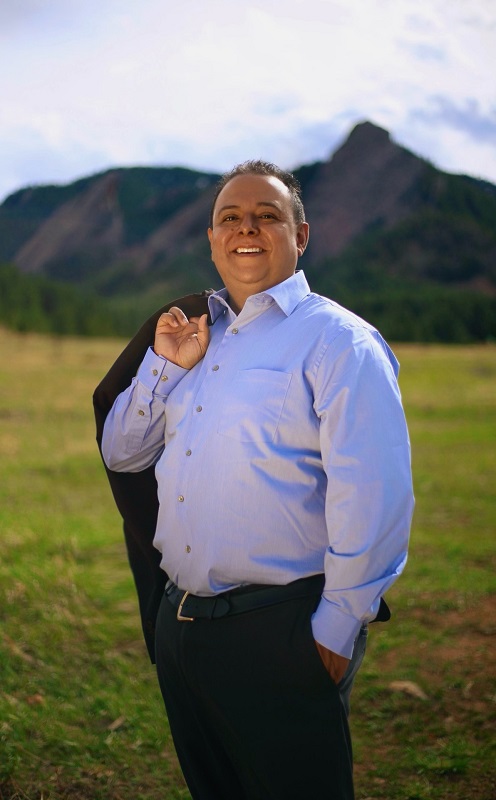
[203, 326]
[203, 335]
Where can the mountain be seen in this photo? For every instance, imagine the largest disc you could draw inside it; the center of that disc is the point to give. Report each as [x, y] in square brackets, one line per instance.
[365, 184]
[381, 218]
[390, 204]
[108, 230]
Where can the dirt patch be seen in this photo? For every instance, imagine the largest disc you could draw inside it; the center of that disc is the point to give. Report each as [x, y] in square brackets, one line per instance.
[445, 741]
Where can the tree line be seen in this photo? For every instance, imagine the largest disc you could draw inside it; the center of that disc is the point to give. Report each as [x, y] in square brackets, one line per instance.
[36, 303]
[404, 311]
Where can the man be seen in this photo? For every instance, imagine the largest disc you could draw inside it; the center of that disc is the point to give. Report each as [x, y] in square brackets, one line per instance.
[282, 461]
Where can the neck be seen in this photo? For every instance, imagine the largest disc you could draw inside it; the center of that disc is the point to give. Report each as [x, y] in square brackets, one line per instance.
[234, 306]
[237, 301]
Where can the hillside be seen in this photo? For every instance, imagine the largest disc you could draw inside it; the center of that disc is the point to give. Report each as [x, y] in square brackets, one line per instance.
[382, 221]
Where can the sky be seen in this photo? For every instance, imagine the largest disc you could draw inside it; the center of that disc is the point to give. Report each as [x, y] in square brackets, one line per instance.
[86, 85]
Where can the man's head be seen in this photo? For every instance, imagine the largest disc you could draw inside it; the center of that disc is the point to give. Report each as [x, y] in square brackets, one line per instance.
[263, 168]
[258, 229]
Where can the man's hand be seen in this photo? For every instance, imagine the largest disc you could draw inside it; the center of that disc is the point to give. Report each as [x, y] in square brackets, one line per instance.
[182, 341]
[335, 664]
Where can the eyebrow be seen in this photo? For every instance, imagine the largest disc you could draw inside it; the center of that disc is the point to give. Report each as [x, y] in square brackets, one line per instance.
[261, 203]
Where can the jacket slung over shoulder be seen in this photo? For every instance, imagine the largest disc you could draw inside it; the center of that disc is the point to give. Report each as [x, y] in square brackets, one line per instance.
[135, 494]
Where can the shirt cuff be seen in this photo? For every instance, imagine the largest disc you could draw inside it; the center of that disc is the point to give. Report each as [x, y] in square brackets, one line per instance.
[159, 375]
[334, 629]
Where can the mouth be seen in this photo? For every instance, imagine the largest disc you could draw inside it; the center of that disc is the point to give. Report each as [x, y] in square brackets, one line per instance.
[248, 250]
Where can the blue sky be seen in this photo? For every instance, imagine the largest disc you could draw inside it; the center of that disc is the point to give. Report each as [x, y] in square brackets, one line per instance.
[207, 83]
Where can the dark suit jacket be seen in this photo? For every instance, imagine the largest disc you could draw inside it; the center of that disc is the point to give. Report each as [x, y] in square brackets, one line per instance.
[135, 494]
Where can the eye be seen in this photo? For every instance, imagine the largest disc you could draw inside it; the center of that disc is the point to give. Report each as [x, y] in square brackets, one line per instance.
[229, 218]
[267, 215]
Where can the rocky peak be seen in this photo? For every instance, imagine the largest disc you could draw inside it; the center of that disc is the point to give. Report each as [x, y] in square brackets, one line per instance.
[364, 183]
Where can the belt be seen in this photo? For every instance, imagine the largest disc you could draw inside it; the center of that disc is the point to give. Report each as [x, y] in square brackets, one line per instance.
[238, 601]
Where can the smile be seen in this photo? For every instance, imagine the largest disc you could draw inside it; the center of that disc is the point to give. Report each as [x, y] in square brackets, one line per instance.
[248, 250]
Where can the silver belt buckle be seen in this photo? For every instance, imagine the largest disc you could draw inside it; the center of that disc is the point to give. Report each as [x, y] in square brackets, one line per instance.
[179, 615]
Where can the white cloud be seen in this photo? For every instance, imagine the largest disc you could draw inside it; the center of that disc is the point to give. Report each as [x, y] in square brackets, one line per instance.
[94, 85]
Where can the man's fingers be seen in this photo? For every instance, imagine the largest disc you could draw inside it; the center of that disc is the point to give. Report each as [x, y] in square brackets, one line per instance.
[335, 664]
[203, 332]
[179, 315]
[167, 320]
[174, 318]
[182, 341]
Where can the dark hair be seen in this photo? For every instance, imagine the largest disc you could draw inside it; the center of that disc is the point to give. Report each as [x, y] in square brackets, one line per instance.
[263, 168]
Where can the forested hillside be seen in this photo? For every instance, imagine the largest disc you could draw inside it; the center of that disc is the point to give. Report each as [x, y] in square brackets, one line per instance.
[398, 241]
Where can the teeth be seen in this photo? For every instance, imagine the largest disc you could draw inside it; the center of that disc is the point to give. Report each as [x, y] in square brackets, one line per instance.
[249, 250]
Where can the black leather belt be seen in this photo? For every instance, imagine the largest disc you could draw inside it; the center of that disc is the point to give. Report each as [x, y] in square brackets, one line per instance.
[237, 601]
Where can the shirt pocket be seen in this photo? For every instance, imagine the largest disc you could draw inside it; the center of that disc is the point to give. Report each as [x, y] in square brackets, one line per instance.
[253, 405]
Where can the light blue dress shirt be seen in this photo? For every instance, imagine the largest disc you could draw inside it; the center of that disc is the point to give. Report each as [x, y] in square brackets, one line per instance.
[283, 453]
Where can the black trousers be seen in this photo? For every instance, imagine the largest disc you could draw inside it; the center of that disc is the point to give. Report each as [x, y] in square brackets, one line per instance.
[253, 713]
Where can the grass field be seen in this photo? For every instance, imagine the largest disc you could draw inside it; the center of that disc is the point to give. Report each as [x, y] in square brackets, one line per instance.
[80, 713]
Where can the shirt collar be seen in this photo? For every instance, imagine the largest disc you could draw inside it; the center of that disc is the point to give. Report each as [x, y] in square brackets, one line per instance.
[290, 292]
[287, 295]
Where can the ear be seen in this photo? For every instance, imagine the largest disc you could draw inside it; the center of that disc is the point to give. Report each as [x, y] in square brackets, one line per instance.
[302, 236]
[210, 234]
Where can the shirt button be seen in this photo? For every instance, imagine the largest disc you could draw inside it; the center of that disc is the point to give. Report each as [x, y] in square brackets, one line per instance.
[181, 498]
[188, 548]
[235, 330]
[141, 413]
[188, 452]
[164, 378]
[154, 371]
[215, 368]
[198, 408]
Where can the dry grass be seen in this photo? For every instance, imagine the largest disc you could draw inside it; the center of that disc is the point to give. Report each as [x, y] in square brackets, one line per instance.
[80, 712]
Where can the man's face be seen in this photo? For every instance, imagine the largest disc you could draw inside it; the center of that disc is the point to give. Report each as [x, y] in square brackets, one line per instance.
[255, 241]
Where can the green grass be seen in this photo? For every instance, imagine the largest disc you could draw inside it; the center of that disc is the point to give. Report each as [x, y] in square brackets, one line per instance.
[81, 716]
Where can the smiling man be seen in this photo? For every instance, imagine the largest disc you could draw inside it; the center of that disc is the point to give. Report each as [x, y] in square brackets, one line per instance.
[282, 461]
[256, 238]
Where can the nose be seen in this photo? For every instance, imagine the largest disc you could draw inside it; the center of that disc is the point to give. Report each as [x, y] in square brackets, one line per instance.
[248, 225]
